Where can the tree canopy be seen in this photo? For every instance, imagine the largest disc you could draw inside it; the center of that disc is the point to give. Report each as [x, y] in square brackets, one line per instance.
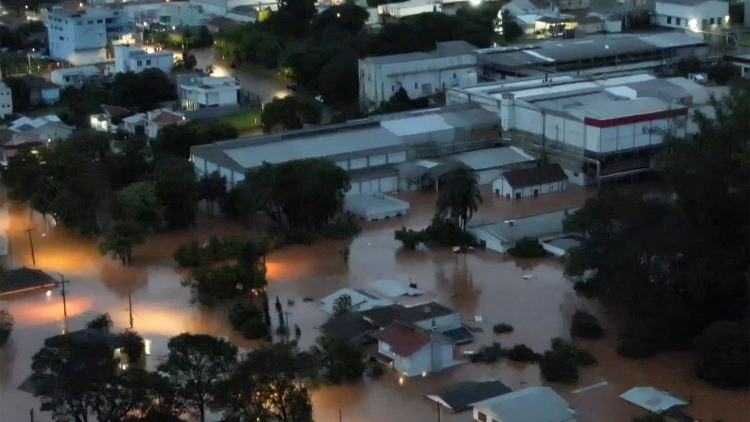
[458, 196]
[671, 268]
[290, 112]
[176, 140]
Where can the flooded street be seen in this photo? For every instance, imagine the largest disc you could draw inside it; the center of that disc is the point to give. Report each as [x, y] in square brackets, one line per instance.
[484, 283]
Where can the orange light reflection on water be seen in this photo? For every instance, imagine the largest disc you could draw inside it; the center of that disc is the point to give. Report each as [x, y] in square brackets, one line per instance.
[46, 312]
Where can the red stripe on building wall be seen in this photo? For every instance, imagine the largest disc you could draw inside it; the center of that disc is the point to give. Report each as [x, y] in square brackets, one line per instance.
[666, 114]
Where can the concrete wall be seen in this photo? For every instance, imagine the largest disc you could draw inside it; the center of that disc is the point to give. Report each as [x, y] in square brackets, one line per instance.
[6, 100]
[707, 14]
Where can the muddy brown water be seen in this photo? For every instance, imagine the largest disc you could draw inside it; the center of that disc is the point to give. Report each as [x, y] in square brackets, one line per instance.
[483, 283]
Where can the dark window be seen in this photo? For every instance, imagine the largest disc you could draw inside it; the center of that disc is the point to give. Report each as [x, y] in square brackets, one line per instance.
[669, 19]
[711, 21]
[454, 75]
[678, 21]
[148, 62]
[416, 85]
[481, 417]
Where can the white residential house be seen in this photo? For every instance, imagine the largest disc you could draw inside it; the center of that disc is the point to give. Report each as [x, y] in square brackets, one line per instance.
[535, 7]
[692, 15]
[81, 36]
[31, 132]
[531, 181]
[41, 91]
[110, 119]
[533, 404]
[413, 351]
[151, 122]
[6, 100]
[134, 59]
[74, 76]
[201, 92]
[451, 64]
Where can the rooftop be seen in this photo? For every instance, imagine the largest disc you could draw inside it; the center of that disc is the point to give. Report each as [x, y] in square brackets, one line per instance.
[491, 158]
[442, 49]
[533, 176]
[386, 315]
[535, 226]
[37, 82]
[403, 341]
[459, 397]
[24, 279]
[25, 124]
[350, 326]
[86, 70]
[533, 404]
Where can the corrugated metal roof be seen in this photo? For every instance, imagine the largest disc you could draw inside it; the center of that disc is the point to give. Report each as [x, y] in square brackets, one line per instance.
[491, 158]
[534, 404]
[416, 125]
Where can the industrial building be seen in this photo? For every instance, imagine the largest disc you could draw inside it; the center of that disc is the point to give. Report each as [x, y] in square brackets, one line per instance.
[369, 149]
[595, 54]
[604, 128]
[420, 74]
[81, 36]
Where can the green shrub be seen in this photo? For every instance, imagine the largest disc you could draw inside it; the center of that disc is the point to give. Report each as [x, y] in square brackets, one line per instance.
[584, 358]
[637, 348]
[502, 328]
[521, 353]
[192, 255]
[488, 354]
[344, 227]
[248, 320]
[588, 289]
[721, 354]
[561, 363]
[6, 326]
[447, 233]
[585, 325]
[527, 247]
[100, 322]
[410, 238]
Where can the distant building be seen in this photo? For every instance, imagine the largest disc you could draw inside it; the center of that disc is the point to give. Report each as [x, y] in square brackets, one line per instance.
[536, 7]
[223, 7]
[459, 397]
[196, 92]
[81, 36]
[134, 59]
[74, 76]
[702, 15]
[501, 236]
[490, 163]
[413, 351]
[24, 279]
[6, 100]
[166, 14]
[41, 91]
[532, 181]
[150, 123]
[110, 119]
[740, 60]
[533, 404]
[451, 64]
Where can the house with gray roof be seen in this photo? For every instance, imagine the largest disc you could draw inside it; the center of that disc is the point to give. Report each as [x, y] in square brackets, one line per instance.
[459, 397]
[501, 236]
[530, 181]
[533, 404]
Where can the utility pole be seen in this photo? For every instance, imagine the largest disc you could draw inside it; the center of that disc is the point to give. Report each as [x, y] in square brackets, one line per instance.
[440, 412]
[130, 307]
[65, 304]
[31, 242]
[31, 413]
[340, 415]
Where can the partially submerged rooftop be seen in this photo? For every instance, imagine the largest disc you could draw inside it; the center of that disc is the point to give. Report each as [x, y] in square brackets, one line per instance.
[459, 397]
[533, 404]
[535, 226]
[24, 279]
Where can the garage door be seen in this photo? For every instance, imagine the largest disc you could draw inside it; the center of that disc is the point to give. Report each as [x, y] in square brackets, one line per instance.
[388, 184]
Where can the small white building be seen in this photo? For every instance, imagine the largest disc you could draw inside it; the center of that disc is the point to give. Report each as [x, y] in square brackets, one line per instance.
[741, 60]
[531, 181]
[413, 351]
[110, 119]
[27, 131]
[502, 236]
[6, 100]
[81, 36]
[74, 76]
[409, 8]
[451, 64]
[489, 164]
[533, 404]
[536, 7]
[177, 14]
[201, 92]
[134, 59]
[700, 15]
[151, 122]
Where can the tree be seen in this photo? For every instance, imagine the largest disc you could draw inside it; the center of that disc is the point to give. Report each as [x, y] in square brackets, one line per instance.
[69, 376]
[345, 19]
[459, 197]
[561, 363]
[656, 263]
[272, 382]
[196, 363]
[139, 204]
[6, 326]
[20, 94]
[300, 194]
[289, 113]
[248, 320]
[176, 140]
[724, 72]
[211, 188]
[119, 243]
[141, 91]
[134, 346]
[176, 187]
[511, 29]
[297, 14]
[339, 360]
[214, 285]
[720, 353]
[102, 322]
[342, 305]
[338, 81]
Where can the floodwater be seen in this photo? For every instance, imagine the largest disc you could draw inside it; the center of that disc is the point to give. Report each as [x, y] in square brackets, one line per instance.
[483, 283]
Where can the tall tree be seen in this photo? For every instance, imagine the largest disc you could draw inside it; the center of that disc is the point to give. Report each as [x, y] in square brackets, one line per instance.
[511, 29]
[339, 360]
[6, 325]
[138, 204]
[212, 188]
[458, 196]
[120, 242]
[196, 363]
[289, 113]
[176, 187]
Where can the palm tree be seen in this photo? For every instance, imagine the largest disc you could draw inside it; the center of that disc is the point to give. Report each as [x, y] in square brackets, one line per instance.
[459, 196]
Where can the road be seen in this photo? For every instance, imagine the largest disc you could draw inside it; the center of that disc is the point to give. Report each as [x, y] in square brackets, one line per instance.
[265, 88]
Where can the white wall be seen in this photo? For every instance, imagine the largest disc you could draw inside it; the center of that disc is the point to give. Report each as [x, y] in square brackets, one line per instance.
[501, 187]
[707, 14]
[6, 100]
[130, 59]
[81, 39]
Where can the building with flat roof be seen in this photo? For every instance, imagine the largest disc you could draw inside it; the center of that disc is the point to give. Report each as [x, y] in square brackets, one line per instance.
[501, 236]
[196, 92]
[74, 76]
[369, 149]
[420, 74]
[595, 54]
[691, 15]
[81, 36]
[136, 59]
[610, 126]
[533, 404]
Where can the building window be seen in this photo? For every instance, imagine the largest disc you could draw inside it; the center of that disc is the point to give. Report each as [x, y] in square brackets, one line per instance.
[99, 21]
[148, 62]
[669, 19]
[393, 88]
[678, 21]
[416, 85]
[711, 21]
[90, 22]
[139, 63]
[454, 75]
[481, 417]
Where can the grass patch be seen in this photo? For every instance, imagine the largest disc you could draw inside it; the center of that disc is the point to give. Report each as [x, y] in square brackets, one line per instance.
[243, 121]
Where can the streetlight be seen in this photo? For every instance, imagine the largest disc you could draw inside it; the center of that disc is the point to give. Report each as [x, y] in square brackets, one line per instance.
[29, 57]
[31, 242]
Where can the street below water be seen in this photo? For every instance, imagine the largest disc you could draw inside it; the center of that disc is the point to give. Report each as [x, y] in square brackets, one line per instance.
[483, 283]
